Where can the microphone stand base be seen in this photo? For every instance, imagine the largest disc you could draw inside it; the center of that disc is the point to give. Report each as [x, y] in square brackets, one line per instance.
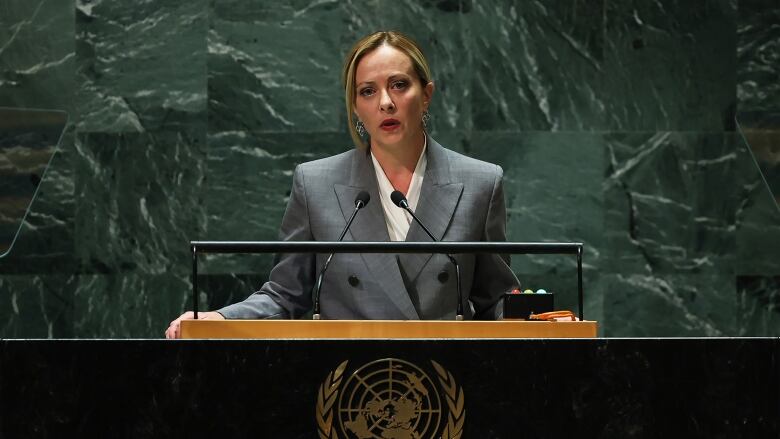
[315, 317]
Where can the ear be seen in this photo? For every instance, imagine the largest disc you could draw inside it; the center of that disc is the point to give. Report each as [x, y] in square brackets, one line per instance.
[428, 94]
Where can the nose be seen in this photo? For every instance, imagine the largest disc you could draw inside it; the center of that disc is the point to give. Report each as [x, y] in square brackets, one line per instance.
[386, 104]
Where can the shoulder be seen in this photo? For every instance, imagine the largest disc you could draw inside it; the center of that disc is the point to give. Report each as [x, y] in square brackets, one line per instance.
[328, 171]
[328, 165]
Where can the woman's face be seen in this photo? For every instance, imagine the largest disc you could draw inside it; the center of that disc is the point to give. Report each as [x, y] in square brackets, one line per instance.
[389, 98]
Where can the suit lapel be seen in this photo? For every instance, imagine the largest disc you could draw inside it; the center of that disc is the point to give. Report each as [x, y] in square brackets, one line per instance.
[370, 226]
[363, 228]
[438, 200]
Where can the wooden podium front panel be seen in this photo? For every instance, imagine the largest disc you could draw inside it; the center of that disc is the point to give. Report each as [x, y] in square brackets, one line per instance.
[383, 329]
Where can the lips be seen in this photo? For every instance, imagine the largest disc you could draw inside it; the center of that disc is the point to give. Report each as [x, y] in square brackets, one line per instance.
[390, 124]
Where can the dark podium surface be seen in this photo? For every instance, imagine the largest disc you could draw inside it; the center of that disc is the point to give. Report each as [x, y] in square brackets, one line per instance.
[517, 388]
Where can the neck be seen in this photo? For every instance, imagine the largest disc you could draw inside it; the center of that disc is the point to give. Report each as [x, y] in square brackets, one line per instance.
[398, 162]
[400, 158]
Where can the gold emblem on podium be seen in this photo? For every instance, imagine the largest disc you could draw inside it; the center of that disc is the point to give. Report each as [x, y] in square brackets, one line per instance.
[390, 399]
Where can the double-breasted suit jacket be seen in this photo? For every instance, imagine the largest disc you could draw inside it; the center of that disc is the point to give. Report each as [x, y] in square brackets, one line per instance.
[461, 199]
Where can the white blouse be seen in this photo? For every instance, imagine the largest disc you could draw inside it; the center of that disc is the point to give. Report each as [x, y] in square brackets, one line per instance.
[396, 218]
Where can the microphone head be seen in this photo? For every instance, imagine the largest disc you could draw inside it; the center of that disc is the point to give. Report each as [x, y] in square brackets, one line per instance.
[362, 199]
[398, 199]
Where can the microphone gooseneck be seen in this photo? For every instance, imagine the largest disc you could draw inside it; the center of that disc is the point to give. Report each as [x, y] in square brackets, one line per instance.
[361, 200]
[399, 200]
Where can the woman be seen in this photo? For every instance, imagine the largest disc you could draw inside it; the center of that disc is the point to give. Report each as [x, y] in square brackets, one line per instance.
[388, 89]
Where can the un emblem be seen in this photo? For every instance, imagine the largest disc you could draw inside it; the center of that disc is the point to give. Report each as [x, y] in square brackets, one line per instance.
[390, 399]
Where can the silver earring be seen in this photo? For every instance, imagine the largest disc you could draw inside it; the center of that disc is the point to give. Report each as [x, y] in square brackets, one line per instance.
[426, 118]
[360, 128]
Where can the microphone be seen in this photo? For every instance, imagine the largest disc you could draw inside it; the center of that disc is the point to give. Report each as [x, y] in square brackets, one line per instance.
[361, 200]
[400, 200]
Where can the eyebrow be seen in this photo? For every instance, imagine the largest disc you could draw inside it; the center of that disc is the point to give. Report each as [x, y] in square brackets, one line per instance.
[391, 77]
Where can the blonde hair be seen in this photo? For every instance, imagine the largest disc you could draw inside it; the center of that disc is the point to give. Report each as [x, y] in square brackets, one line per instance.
[359, 50]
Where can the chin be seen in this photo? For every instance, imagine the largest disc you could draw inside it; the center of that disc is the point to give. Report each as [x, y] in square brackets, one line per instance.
[391, 140]
[389, 137]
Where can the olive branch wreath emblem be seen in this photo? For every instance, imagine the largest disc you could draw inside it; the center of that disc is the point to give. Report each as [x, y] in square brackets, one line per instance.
[329, 390]
[455, 402]
[326, 396]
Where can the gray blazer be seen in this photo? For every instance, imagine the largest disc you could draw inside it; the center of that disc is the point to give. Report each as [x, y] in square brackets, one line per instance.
[461, 199]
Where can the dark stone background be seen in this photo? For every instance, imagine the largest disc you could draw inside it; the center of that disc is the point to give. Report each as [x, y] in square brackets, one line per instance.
[614, 122]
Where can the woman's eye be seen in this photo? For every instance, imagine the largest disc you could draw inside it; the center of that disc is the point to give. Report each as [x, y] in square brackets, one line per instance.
[366, 92]
[399, 84]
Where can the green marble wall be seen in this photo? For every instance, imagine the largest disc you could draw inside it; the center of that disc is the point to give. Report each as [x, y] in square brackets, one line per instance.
[614, 122]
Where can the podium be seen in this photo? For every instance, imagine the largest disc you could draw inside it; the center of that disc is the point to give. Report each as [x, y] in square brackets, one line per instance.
[383, 329]
[492, 388]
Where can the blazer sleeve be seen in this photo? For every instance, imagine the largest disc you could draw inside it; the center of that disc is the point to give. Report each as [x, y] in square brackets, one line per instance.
[287, 294]
[493, 274]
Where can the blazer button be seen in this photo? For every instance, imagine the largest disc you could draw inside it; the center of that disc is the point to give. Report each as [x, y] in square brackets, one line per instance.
[353, 280]
[443, 276]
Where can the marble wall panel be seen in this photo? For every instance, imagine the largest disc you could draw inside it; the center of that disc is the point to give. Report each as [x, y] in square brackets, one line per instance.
[128, 305]
[758, 306]
[671, 200]
[537, 65]
[141, 66]
[669, 305]
[670, 65]
[140, 201]
[37, 306]
[274, 66]
[758, 52]
[36, 54]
